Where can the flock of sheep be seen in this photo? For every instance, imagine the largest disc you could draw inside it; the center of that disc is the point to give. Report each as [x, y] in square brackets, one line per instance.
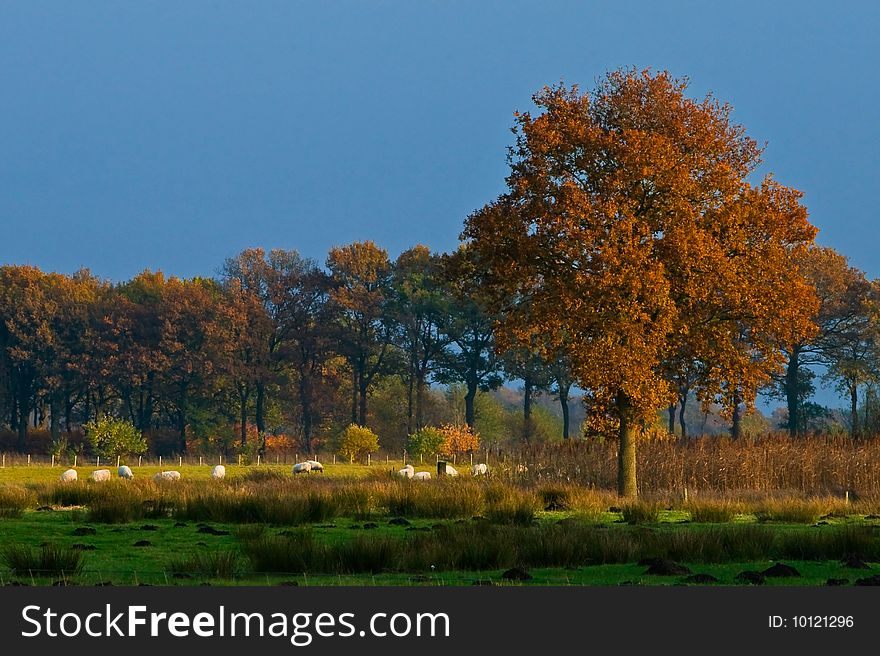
[219, 472]
[480, 469]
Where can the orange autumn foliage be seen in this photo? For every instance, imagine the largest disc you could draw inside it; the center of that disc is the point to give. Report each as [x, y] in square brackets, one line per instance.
[631, 236]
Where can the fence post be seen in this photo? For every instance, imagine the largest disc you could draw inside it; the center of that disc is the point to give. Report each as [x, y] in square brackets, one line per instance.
[200, 461]
[4, 461]
[258, 460]
[118, 461]
[180, 464]
[368, 460]
[139, 460]
[239, 460]
[334, 458]
[53, 460]
[472, 458]
[97, 461]
[29, 460]
[74, 460]
[160, 462]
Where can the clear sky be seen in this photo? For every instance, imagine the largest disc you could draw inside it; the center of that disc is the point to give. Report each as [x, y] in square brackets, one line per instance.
[174, 134]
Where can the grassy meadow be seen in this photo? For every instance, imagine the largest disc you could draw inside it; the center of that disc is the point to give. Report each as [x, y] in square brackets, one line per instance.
[358, 524]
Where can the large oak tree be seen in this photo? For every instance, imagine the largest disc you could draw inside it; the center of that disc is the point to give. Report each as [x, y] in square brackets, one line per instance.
[629, 227]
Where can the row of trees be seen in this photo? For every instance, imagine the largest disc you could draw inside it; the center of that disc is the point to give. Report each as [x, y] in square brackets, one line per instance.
[274, 341]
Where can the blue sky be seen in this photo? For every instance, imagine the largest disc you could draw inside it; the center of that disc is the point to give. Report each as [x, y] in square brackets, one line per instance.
[172, 135]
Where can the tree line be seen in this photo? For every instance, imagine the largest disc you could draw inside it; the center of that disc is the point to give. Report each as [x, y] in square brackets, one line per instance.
[274, 340]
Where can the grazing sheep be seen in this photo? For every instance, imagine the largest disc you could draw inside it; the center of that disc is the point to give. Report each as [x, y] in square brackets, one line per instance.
[450, 470]
[218, 472]
[407, 472]
[124, 471]
[421, 476]
[302, 468]
[68, 476]
[100, 475]
[480, 469]
[167, 476]
[316, 466]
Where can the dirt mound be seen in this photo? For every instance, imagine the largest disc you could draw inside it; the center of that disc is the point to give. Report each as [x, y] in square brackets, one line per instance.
[750, 577]
[781, 571]
[663, 567]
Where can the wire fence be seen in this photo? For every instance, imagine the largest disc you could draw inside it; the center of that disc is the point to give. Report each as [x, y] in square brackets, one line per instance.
[16, 459]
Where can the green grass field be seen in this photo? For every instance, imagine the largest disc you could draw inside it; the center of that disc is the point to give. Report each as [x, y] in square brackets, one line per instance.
[357, 525]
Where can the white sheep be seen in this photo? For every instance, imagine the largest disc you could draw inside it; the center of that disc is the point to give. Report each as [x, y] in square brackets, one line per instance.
[316, 466]
[68, 476]
[450, 470]
[480, 469]
[124, 471]
[167, 476]
[407, 472]
[218, 472]
[302, 468]
[422, 476]
[100, 475]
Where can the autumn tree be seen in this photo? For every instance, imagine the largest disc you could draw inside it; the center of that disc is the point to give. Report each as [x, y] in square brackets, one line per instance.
[630, 223]
[189, 341]
[359, 296]
[308, 345]
[271, 280]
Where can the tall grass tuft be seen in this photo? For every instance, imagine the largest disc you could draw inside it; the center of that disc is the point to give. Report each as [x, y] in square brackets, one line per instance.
[795, 511]
[641, 512]
[14, 501]
[48, 560]
[507, 505]
[713, 512]
[220, 564]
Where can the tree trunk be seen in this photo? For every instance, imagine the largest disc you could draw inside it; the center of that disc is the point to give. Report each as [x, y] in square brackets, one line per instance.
[305, 402]
[527, 410]
[410, 398]
[68, 412]
[671, 411]
[626, 450]
[792, 393]
[362, 411]
[854, 410]
[420, 400]
[736, 424]
[23, 410]
[181, 420]
[469, 404]
[682, 404]
[243, 394]
[260, 410]
[563, 401]
[354, 395]
[55, 418]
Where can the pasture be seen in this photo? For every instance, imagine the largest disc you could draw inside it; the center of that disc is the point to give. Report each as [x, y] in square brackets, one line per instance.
[355, 525]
